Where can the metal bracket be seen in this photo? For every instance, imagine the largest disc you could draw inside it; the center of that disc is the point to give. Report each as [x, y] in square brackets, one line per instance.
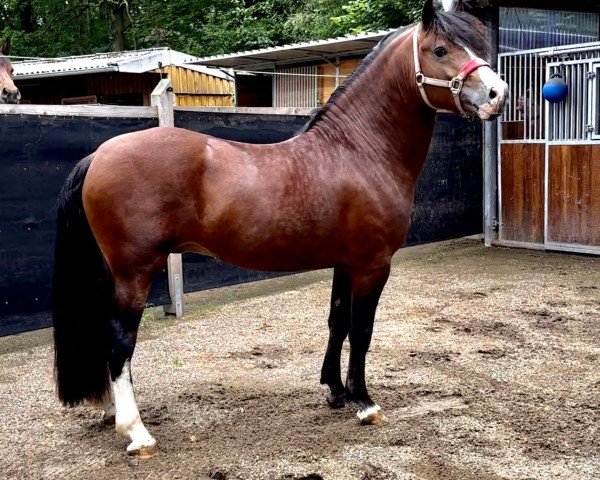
[591, 75]
[495, 225]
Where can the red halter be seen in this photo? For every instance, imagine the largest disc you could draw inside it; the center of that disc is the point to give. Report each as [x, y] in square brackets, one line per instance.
[455, 85]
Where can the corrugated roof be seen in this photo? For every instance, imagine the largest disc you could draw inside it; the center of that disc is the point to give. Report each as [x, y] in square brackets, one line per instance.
[138, 61]
[297, 52]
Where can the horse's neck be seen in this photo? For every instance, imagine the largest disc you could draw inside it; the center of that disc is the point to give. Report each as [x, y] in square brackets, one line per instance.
[381, 118]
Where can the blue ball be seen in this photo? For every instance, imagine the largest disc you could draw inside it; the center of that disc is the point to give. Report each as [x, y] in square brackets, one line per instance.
[555, 89]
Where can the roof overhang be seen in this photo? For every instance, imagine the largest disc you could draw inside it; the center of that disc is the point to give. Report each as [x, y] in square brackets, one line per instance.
[140, 61]
[306, 52]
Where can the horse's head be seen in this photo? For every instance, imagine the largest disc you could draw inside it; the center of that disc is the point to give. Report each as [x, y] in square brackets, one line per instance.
[9, 93]
[452, 73]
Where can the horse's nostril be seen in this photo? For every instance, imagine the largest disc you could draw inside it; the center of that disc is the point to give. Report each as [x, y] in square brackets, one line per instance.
[493, 94]
[4, 92]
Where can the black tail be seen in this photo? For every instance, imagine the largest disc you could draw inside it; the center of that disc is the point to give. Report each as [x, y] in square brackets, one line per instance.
[82, 299]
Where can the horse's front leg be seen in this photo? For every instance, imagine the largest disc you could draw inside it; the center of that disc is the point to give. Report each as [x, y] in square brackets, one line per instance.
[366, 290]
[124, 334]
[339, 323]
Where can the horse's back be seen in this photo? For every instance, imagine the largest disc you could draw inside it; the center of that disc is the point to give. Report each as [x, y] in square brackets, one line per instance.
[172, 189]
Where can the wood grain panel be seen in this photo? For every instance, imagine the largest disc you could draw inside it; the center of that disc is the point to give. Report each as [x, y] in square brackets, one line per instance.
[326, 84]
[522, 183]
[193, 88]
[574, 190]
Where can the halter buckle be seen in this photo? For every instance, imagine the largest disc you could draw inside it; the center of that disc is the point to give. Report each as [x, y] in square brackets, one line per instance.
[420, 78]
[456, 85]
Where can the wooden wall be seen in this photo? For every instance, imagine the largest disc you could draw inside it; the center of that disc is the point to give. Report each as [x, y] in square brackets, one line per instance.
[256, 91]
[115, 88]
[111, 88]
[327, 85]
[196, 89]
[574, 194]
[522, 184]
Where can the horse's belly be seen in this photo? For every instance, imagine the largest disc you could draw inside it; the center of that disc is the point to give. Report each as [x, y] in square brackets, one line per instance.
[271, 255]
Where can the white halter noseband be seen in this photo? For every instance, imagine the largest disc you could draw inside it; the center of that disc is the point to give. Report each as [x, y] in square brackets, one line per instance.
[455, 85]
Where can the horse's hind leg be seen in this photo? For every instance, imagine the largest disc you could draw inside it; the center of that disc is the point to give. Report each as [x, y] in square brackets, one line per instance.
[366, 290]
[339, 323]
[107, 405]
[130, 295]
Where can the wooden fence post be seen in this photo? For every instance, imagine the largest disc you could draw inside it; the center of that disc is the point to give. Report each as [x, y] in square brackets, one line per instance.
[162, 99]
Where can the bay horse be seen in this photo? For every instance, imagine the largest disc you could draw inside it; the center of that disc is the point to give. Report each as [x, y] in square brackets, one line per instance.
[9, 93]
[338, 195]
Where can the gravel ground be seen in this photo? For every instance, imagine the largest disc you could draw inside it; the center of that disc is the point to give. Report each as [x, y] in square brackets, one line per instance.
[484, 360]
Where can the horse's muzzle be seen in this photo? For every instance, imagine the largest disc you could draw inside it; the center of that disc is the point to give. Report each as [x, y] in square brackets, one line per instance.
[10, 95]
[496, 103]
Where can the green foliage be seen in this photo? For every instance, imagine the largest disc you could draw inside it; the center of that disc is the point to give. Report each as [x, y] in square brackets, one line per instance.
[49, 28]
[57, 27]
[372, 15]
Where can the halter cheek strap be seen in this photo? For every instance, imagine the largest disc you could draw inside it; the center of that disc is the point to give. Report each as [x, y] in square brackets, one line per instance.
[455, 85]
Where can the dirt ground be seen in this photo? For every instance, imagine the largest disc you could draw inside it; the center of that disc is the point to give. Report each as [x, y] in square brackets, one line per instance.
[485, 360]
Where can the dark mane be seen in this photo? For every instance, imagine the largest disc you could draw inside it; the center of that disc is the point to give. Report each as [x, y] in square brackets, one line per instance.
[457, 27]
[318, 113]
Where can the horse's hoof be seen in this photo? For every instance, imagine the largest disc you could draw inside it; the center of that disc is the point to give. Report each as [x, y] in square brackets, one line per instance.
[337, 401]
[371, 416]
[142, 451]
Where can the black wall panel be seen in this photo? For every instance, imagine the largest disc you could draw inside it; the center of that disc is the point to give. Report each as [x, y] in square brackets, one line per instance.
[37, 153]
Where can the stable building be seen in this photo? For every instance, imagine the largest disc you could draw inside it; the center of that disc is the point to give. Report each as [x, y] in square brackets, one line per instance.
[299, 75]
[121, 78]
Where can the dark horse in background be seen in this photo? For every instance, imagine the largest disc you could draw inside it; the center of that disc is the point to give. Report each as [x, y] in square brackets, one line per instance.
[8, 92]
[338, 195]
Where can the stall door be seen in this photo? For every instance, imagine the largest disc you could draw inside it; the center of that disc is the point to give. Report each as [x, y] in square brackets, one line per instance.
[549, 158]
[573, 160]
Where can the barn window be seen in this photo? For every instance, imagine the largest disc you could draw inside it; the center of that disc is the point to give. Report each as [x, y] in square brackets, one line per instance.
[526, 29]
[86, 100]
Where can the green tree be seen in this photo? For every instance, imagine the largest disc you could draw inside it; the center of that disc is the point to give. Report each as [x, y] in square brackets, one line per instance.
[49, 28]
[372, 15]
[313, 20]
[59, 27]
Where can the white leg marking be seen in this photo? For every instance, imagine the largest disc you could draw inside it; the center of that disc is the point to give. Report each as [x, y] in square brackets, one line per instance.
[362, 414]
[127, 419]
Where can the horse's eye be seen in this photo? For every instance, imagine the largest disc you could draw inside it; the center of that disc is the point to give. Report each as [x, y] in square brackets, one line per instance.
[440, 52]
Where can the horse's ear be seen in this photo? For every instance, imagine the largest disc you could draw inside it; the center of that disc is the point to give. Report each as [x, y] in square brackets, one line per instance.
[450, 5]
[428, 14]
[5, 48]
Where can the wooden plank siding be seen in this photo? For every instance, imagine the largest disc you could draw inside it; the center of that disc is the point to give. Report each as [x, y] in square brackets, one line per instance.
[522, 184]
[327, 85]
[196, 89]
[574, 194]
[109, 88]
